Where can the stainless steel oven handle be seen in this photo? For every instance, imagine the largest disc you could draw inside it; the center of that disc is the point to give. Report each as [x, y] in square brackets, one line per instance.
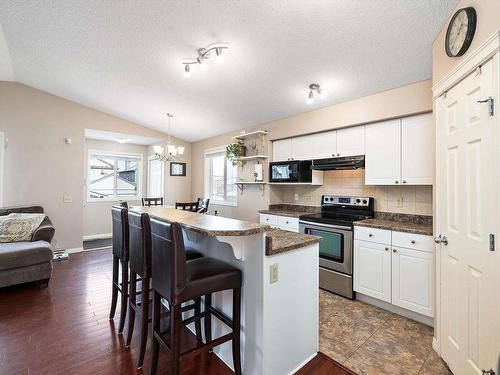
[324, 225]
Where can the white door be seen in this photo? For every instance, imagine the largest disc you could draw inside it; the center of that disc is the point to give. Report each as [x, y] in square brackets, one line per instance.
[351, 141]
[155, 178]
[324, 145]
[282, 149]
[383, 153]
[2, 151]
[412, 280]
[372, 269]
[417, 150]
[302, 147]
[467, 215]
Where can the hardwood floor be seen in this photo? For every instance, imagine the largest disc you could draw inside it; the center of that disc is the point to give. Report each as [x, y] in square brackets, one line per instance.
[64, 329]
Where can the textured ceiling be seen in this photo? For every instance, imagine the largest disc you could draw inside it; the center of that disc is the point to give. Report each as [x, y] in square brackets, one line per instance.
[123, 57]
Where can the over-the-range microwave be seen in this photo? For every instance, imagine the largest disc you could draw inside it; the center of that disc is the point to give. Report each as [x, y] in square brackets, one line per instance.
[290, 171]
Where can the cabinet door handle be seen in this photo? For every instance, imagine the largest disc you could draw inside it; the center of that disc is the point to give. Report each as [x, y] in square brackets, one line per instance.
[413, 242]
[394, 251]
[386, 249]
[404, 181]
[370, 235]
[396, 182]
[338, 154]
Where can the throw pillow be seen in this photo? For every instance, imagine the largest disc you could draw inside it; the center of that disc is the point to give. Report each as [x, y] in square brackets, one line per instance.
[18, 227]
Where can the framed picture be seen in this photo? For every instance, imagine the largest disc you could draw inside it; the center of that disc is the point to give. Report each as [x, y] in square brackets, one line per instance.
[177, 169]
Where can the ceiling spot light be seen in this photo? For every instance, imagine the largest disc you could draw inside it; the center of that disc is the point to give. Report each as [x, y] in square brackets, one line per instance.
[219, 58]
[314, 87]
[187, 71]
[205, 54]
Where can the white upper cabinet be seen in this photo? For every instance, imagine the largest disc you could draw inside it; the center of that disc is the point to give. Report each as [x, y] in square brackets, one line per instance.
[417, 150]
[282, 149]
[324, 145]
[302, 147]
[383, 153]
[351, 141]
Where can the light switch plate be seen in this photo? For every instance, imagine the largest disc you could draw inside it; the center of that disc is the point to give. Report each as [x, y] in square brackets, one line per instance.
[296, 197]
[308, 198]
[67, 199]
[273, 273]
[399, 202]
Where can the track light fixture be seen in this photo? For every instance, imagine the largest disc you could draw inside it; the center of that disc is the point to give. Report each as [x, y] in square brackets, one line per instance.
[205, 54]
[314, 87]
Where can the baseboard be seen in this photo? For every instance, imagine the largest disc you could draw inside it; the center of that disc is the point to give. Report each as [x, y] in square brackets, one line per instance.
[435, 345]
[102, 236]
[396, 309]
[303, 364]
[74, 250]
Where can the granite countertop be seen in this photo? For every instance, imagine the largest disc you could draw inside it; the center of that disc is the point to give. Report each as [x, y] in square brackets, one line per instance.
[205, 224]
[288, 213]
[289, 210]
[397, 225]
[279, 241]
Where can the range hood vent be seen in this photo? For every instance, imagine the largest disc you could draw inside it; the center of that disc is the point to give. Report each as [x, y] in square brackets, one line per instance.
[342, 163]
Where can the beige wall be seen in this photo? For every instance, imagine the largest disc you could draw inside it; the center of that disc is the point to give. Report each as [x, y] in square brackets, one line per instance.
[97, 215]
[40, 167]
[408, 100]
[488, 21]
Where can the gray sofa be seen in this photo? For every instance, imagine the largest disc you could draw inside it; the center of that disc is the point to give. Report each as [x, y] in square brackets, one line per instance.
[28, 261]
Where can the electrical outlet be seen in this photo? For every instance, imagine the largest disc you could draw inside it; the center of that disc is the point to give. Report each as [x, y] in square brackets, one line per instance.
[273, 273]
[399, 202]
[308, 198]
[296, 197]
[67, 199]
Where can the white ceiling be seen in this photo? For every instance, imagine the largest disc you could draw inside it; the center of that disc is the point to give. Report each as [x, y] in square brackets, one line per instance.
[123, 57]
[102, 135]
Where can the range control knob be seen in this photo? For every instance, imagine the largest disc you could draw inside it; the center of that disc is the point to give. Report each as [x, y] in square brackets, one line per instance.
[364, 201]
[358, 200]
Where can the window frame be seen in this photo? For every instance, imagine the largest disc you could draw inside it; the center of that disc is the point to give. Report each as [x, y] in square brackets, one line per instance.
[116, 154]
[208, 180]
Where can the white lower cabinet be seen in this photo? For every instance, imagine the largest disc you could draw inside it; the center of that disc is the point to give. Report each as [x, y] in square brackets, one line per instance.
[401, 276]
[412, 280]
[281, 222]
[372, 269]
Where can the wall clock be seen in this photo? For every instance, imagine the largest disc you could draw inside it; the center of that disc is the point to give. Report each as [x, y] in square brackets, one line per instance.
[460, 32]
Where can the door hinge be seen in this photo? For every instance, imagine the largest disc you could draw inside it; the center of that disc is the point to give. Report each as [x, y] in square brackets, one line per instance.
[492, 242]
[491, 105]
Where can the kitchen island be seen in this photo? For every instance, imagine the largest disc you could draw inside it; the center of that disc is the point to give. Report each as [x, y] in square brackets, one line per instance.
[279, 319]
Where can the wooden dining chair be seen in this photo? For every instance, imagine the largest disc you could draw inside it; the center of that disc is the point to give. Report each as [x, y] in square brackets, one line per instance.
[152, 201]
[203, 205]
[187, 206]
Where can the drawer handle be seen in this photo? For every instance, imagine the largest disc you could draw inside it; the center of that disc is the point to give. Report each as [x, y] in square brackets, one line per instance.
[286, 222]
[370, 235]
[394, 251]
[413, 242]
[386, 249]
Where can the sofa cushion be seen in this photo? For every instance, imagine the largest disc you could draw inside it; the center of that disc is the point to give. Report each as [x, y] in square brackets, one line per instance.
[19, 227]
[23, 254]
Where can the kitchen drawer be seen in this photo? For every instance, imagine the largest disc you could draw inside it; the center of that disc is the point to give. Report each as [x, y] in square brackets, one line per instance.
[372, 235]
[288, 222]
[413, 241]
[268, 219]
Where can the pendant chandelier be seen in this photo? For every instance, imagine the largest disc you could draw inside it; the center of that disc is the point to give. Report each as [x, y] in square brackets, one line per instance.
[171, 152]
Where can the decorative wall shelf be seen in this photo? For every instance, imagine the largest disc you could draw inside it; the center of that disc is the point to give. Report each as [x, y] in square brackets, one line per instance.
[296, 183]
[253, 157]
[241, 185]
[250, 134]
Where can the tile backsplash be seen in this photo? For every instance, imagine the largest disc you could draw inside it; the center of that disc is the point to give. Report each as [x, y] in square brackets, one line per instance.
[411, 199]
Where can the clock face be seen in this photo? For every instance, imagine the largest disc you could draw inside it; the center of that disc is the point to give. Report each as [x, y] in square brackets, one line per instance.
[460, 32]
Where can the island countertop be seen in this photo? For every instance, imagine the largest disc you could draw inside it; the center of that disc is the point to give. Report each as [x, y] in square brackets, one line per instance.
[279, 241]
[205, 224]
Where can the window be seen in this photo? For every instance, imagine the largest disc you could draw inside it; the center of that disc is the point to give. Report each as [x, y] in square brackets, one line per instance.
[220, 178]
[113, 176]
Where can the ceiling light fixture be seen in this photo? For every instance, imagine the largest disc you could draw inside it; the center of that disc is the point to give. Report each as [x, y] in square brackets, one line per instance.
[170, 152]
[314, 87]
[205, 54]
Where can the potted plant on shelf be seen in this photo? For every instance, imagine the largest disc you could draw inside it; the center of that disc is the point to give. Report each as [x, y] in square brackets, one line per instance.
[235, 151]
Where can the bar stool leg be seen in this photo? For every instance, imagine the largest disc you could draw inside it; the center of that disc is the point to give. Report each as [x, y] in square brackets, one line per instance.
[156, 328]
[236, 330]
[124, 298]
[131, 311]
[197, 323]
[114, 293]
[175, 336]
[208, 319]
[144, 321]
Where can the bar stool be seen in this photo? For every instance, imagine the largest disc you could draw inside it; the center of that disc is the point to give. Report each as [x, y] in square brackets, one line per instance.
[187, 206]
[120, 257]
[179, 281]
[152, 201]
[140, 270]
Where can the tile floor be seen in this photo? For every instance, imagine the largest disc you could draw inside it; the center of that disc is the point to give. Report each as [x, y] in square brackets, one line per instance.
[372, 341]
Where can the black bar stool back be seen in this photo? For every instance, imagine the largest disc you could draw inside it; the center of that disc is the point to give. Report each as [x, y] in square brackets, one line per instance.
[120, 257]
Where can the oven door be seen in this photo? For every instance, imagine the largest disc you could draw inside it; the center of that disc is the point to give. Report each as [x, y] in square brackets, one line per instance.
[335, 248]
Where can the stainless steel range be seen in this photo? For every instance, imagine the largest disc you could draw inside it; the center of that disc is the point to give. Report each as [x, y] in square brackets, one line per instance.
[335, 225]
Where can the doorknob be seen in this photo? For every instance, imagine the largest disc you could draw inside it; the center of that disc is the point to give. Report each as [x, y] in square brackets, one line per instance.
[441, 239]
